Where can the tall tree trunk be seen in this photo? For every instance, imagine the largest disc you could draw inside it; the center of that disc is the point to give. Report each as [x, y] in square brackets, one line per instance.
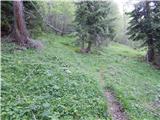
[20, 32]
[88, 49]
[151, 52]
[62, 33]
[82, 44]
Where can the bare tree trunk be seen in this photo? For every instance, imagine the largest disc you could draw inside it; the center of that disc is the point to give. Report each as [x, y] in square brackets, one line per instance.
[62, 33]
[82, 44]
[21, 35]
[55, 22]
[151, 52]
[88, 49]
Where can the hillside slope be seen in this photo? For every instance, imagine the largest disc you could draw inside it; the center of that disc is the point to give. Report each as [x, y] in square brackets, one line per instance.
[60, 83]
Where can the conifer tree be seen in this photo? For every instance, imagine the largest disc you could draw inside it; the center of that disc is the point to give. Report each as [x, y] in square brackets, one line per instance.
[93, 22]
[145, 26]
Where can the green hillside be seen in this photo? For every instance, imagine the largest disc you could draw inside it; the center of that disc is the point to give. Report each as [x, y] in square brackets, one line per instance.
[59, 83]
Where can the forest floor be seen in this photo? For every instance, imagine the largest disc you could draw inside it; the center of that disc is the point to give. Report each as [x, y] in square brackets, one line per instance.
[59, 83]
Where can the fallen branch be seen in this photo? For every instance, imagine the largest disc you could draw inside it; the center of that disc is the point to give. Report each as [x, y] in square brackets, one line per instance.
[30, 13]
[54, 28]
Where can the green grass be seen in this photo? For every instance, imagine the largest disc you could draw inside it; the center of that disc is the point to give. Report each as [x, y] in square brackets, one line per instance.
[59, 83]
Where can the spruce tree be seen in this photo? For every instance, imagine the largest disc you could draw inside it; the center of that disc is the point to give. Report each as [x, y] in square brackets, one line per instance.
[145, 26]
[93, 23]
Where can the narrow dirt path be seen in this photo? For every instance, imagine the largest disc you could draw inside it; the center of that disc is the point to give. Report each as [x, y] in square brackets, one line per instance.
[115, 109]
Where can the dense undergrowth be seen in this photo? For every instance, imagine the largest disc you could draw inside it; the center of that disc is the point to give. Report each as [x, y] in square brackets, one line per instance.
[60, 83]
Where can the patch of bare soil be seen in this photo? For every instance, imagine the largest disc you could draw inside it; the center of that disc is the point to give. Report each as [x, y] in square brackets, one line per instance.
[115, 109]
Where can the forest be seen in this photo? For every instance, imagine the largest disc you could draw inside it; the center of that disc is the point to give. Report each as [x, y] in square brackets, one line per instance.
[80, 60]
